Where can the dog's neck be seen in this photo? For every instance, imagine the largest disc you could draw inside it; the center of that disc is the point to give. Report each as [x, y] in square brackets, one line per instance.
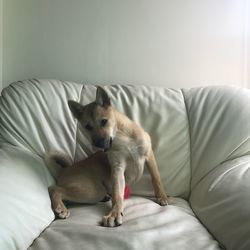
[126, 125]
[131, 136]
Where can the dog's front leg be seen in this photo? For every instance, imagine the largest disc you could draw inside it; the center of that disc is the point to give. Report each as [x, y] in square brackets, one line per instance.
[161, 197]
[114, 218]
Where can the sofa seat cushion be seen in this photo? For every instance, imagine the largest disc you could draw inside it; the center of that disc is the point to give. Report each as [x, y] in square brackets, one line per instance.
[146, 226]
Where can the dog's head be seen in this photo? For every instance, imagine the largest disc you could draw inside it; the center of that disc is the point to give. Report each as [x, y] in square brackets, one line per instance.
[97, 119]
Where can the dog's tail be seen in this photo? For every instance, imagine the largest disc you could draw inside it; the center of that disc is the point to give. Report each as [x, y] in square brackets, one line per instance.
[56, 160]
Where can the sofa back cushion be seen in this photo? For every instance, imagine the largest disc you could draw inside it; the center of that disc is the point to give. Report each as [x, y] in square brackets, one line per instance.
[162, 113]
[35, 116]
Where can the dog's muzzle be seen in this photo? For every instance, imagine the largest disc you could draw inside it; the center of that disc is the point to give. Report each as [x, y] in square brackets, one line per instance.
[103, 143]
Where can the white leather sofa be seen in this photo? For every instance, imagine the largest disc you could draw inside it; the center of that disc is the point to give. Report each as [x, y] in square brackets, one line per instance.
[201, 141]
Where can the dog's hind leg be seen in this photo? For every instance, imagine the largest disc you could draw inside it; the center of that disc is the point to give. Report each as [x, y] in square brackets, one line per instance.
[161, 197]
[56, 195]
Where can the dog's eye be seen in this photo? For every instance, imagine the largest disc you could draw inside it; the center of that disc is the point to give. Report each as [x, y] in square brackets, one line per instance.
[88, 127]
[104, 122]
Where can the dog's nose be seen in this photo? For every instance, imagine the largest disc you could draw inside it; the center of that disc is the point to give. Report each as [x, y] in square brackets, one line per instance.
[104, 143]
[100, 142]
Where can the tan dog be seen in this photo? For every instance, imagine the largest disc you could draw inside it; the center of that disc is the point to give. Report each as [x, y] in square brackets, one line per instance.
[127, 146]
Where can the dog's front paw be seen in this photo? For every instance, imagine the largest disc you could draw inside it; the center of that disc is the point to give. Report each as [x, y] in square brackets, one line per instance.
[61, 211]
[162, 201]
[113, 219]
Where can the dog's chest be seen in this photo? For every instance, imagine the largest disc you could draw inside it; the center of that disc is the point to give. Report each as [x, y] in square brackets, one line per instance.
[133, 153]
[134, 168]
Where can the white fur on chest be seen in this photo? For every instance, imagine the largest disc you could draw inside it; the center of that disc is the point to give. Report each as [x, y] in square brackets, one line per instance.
[130, 154]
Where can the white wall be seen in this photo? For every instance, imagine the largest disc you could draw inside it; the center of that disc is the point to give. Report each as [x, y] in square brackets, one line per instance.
[173, 43]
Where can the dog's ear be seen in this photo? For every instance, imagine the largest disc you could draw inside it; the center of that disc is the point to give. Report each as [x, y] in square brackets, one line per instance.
[76, 109]
[102, 97]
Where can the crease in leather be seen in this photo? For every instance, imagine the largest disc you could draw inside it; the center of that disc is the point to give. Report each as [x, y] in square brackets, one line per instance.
[190, 144]
[77, 123]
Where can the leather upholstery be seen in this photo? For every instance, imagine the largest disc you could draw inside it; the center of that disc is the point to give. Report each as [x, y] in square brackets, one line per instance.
[200, 137]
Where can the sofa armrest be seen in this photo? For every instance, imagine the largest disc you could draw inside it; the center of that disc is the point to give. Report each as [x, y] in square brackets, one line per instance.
[221, 200]
[25, 205]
